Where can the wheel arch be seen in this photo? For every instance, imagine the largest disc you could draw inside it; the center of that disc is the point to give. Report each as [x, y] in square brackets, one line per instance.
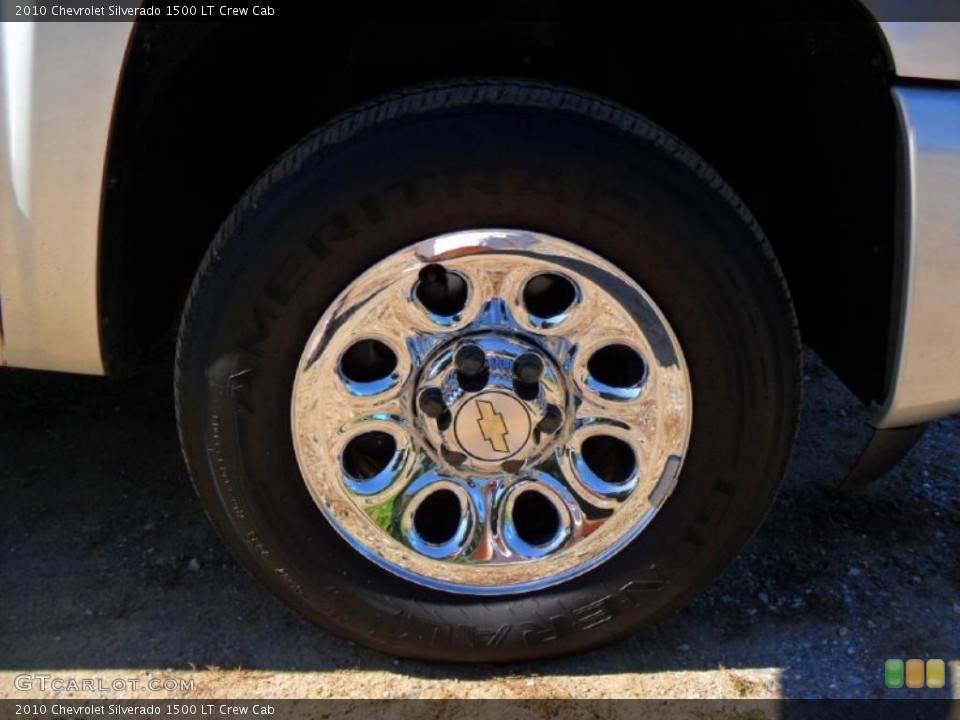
[812, 151]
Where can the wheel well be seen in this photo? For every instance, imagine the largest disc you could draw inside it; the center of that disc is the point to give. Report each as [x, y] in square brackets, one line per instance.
[795, 115]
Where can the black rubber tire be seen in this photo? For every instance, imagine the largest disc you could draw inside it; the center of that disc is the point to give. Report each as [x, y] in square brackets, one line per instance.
[472, 154]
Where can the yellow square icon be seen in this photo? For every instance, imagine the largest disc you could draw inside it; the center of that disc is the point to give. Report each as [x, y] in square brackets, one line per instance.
[935, 673]
[914, 673]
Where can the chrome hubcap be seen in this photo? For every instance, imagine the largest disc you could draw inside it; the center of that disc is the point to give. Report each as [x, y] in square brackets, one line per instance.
[491, 411]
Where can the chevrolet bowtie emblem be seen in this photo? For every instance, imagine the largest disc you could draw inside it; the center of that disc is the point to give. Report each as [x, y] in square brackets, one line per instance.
[492, 426]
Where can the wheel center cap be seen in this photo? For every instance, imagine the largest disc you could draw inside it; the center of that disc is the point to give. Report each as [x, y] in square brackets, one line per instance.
[490, 404]
[492, 426]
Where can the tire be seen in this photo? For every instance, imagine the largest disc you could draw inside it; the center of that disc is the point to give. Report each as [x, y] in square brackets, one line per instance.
[479, 154]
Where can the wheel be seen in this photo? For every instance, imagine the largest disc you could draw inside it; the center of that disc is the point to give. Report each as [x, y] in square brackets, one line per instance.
[487, 371]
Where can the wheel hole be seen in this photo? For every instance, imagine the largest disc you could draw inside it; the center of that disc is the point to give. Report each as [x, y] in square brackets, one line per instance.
[441, 292]
[367, 360]
[368, 455]
[617, 366]
[535, 518]
[609, 458]
[438, 517]
[548, 295]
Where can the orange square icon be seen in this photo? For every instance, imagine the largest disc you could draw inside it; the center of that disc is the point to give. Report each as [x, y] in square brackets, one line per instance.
[935, 673]
[914, 673]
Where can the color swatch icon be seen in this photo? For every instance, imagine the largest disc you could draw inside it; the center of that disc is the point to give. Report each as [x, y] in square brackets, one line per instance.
[914, 673]
[936, 673]
[893, 672]
[896, 673]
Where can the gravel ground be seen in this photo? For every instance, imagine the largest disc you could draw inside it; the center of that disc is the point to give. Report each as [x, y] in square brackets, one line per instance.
[109, 569]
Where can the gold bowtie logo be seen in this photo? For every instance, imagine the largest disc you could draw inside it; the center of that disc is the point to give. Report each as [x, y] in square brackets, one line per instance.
[492, 426]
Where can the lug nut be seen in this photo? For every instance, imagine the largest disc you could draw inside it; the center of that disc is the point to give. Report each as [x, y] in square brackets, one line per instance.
[552, 420]
[431, 402]
[433, 273]
[470, 360]
[528, 368]
[444, 421]
[512, 467]
[452, 456]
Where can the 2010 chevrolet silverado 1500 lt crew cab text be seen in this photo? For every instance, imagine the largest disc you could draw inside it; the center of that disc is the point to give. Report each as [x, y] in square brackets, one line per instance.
[489, 332]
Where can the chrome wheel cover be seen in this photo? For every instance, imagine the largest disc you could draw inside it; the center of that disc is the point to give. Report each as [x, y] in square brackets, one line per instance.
[491, 412]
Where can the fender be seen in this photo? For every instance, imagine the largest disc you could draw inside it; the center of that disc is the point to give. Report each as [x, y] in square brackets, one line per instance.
[57, 88]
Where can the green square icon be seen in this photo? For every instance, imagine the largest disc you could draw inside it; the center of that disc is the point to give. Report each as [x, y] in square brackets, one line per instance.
[893, 673]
